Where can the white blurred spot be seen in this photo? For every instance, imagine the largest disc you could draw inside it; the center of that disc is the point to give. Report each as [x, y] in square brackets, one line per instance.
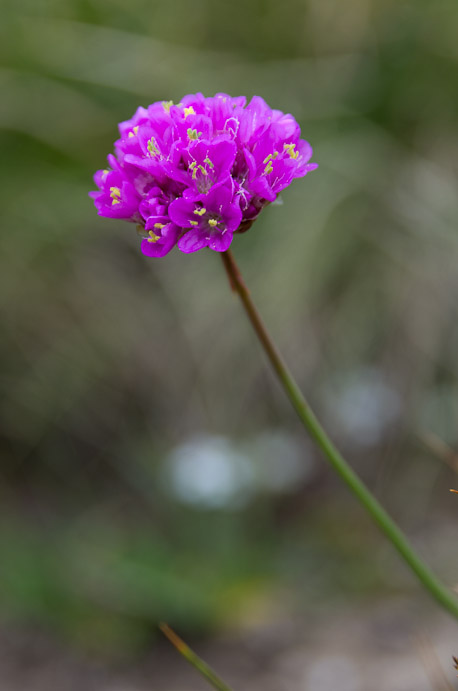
[208, 471]
[363, 405]
[215, 472]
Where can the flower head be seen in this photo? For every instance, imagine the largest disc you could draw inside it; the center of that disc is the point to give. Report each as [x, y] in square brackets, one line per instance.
[195, 173]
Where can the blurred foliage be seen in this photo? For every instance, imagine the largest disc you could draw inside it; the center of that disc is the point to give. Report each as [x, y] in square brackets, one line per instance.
[110, 361]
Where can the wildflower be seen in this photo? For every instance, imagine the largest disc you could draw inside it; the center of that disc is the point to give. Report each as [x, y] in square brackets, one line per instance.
[195, 173]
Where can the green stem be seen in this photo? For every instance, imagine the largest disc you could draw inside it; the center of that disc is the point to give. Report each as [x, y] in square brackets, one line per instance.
[194, 659]
[340, 465]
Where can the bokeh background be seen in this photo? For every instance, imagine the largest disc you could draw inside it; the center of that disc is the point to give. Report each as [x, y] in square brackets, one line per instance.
[151, 468]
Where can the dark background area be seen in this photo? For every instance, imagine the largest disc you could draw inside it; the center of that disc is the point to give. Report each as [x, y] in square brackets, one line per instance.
[151, 467]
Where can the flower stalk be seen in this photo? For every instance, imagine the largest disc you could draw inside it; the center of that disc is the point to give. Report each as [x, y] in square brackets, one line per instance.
[194, 659]
[306, 415]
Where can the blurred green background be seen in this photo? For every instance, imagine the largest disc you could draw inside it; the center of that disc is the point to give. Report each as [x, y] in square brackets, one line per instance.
[151, 467]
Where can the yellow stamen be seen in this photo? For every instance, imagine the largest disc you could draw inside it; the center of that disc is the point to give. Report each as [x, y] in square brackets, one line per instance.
[200, 212]
[270, 156]
[115, 194]
[208, 162]
[212, 222]
[189, 111]
[193, 223]
[167, 105]
[193, 134]
[269, 168]
[152, 147]
[290, 148]
[153, 237]
[194, 167]
[159, 226]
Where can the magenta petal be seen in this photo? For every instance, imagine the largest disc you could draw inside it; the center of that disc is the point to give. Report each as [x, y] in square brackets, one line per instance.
[166, 242]
[219, 242]
[150, 249]
[233, 217]
[262, 189]
[192, 241]
[181, 212]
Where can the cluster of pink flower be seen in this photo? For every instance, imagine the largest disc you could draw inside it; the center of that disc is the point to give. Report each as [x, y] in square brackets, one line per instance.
[192, 174]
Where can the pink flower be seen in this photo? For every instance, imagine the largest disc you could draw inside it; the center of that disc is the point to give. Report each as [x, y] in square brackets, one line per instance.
[192, 174]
